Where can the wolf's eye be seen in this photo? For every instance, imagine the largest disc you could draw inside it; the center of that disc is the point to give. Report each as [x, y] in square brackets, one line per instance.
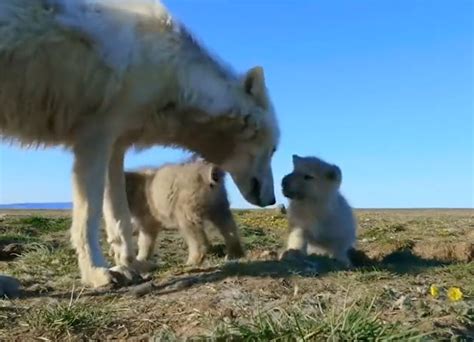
[308, 177]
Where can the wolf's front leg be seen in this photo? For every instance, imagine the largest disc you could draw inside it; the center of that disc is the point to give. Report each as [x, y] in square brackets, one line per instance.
[90, 166]
[118, 219]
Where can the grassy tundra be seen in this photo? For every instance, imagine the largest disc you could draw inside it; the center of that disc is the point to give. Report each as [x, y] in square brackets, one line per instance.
[258, 297]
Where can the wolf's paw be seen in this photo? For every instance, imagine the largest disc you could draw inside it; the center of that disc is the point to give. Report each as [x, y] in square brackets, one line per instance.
[97, 277]
[196, 259]
[118, 276]
[144, 266]
[125, 276]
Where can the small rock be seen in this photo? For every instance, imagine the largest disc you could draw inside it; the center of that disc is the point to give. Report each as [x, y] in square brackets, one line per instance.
[295, 291]
[10, 251]
[400, 302]
[9, 287]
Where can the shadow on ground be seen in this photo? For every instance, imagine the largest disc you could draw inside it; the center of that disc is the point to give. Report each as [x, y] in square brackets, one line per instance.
[398, 262]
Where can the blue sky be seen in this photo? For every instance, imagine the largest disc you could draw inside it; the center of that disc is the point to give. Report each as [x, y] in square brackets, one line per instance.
[384, 89]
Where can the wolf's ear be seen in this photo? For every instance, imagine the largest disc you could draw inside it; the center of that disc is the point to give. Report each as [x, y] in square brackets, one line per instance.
[215, 175]
[254, 85]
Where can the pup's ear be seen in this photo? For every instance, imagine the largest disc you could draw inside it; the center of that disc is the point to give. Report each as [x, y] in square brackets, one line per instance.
[216, 175]
[254, 85]
[296, 159]
[334, 174]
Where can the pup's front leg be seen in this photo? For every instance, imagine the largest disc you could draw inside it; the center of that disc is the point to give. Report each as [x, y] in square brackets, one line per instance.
[225, 223]
[196, 239]
[148, 232]
[297, 244]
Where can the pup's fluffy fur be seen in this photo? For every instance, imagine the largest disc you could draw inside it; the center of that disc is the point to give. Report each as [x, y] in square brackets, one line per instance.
[320, 219]
[186, 196]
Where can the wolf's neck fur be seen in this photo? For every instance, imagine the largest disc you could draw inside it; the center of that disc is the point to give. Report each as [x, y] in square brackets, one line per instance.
[212, 137]
[214, 140]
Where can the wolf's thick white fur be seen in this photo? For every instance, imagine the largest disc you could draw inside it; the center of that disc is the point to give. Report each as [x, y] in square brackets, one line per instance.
[320, 219]
[99, 76]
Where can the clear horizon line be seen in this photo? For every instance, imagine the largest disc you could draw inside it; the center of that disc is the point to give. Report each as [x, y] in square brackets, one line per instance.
[236, 208]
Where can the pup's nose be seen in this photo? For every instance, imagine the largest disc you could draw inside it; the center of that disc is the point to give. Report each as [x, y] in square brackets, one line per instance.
[272, 202]
[284, 182]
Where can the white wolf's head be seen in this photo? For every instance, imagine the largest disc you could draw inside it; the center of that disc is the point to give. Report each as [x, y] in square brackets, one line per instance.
[250, 163]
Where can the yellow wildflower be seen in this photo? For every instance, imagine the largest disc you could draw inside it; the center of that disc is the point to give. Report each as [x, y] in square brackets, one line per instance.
[434, 291]
[455, 293]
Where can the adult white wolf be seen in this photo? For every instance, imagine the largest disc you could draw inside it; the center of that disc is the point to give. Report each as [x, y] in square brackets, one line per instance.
[100, 76]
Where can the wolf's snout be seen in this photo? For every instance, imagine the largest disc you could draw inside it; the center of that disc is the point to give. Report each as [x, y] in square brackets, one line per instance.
[258, 196]
[255, 188]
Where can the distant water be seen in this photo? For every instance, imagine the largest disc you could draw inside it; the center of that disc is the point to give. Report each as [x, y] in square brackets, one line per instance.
[36, 206]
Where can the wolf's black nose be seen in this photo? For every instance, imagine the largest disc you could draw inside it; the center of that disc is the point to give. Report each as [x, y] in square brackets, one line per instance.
[255, 188]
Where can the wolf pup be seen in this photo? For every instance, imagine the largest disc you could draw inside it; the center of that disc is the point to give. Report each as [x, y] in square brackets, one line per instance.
[320, 219]
[185, 196]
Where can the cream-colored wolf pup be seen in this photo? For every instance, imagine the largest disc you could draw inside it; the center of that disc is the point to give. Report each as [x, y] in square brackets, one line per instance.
[186, 196]
[320, 219]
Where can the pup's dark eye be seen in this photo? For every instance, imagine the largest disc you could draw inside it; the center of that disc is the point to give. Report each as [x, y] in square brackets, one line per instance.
[308, 177]
[274, 150]
[331, 175]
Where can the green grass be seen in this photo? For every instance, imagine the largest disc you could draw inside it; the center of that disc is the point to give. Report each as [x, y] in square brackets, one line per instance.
[62, 319]
[267, 299]
[16, 237]
[355, 323]
[45, 263]
[42, 225]
[458, 273]
[254, 237]
[32, 228]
